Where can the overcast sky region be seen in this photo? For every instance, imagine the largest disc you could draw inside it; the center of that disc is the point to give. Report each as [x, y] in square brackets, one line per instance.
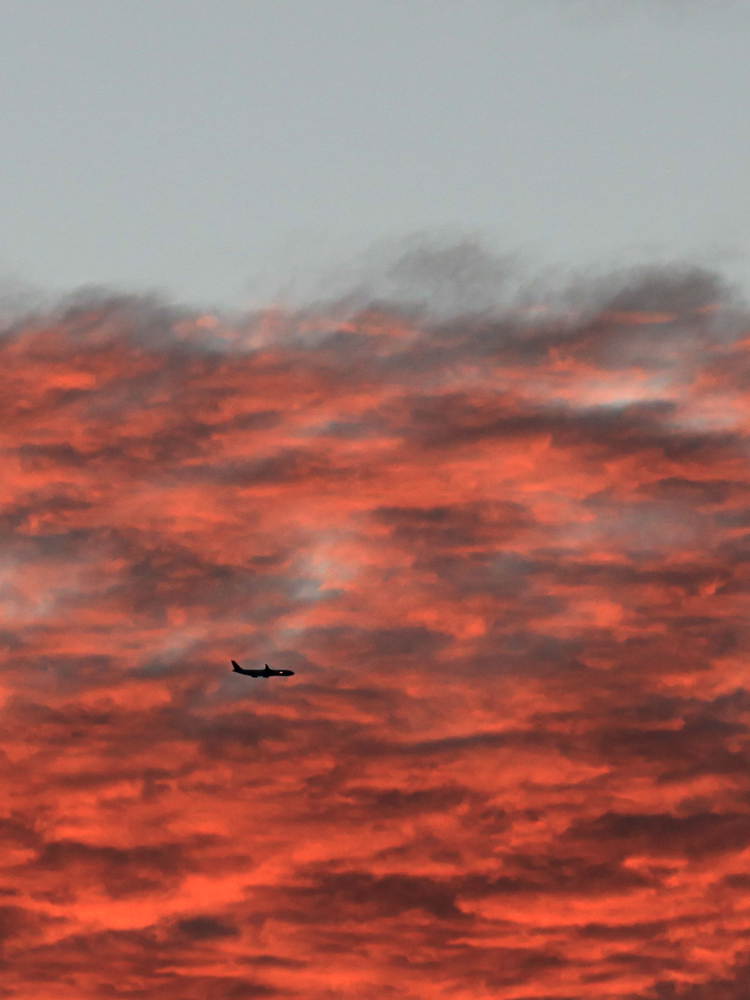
[405, 346]
[223, 153]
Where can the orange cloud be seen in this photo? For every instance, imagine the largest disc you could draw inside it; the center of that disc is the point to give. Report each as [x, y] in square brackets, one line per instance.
[509, 567]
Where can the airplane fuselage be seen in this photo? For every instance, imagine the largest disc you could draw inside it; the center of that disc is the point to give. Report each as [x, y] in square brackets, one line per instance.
[267, 672]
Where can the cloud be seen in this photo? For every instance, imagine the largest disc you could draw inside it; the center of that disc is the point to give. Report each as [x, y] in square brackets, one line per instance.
[505, 552]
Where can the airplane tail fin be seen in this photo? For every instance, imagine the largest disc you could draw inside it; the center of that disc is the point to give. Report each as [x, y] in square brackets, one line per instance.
[236, 667]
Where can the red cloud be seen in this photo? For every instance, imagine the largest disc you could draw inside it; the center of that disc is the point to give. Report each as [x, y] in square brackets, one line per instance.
[509, 567]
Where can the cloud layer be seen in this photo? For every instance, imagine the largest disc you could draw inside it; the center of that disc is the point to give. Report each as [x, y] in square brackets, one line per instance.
[508, 559]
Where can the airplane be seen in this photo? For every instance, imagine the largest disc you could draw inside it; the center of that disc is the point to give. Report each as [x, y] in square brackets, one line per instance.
[261, 673]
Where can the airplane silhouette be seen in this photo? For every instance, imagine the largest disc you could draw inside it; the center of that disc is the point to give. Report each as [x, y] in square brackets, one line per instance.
[261, 673]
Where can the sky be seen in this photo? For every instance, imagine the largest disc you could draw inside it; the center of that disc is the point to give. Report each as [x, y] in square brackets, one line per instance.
[494, 515]
[228, 153]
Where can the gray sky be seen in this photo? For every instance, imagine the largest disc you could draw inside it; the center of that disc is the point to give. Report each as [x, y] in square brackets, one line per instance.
[223, 151]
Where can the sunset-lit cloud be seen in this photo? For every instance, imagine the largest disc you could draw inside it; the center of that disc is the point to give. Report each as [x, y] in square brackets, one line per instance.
[507, 556]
